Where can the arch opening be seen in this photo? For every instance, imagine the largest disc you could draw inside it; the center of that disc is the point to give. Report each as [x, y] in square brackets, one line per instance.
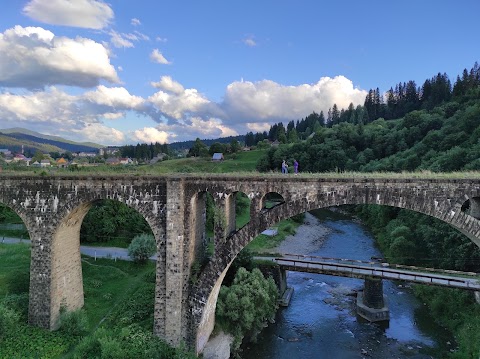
[472, 207]
[90, 261]
[272, 200]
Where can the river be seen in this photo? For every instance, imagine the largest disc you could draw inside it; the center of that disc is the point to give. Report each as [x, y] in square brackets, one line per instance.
[320, 321]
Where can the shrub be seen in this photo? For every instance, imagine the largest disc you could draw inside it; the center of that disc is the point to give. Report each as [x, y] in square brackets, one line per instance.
[142, 247]
[8, 320]
[74, 323]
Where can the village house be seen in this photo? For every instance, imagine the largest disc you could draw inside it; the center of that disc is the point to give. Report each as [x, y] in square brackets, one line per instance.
[217, 156]
[62, 162]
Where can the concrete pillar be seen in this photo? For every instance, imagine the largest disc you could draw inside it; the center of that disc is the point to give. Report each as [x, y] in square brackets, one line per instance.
[373, 293]
[371, 303]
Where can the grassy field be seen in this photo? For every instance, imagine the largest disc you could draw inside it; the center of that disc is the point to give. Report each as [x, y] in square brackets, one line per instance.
[117, 293]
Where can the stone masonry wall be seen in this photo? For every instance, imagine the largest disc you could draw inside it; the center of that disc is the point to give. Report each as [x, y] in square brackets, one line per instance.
[53, 208]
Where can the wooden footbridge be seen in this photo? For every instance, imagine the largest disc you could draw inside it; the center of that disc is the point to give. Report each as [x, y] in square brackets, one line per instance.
[377, 269]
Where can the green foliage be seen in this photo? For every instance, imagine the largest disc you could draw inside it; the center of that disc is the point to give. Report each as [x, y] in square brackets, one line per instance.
[113, 223]
[142, 248]
[74, 324]
[458, 312]
[8, 320]
[245, 306]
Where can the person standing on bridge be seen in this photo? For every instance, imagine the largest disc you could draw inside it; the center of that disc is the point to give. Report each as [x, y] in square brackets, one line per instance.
[284, 167]
[295, 166]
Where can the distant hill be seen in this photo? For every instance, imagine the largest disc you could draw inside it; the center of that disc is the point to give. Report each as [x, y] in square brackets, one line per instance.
[14, 138]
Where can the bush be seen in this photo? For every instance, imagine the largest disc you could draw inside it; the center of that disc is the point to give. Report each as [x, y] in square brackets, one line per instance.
[74, 323]
[142, 247]
[8, 320]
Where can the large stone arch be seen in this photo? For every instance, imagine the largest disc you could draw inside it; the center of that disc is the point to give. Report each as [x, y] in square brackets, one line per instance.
[444, 204]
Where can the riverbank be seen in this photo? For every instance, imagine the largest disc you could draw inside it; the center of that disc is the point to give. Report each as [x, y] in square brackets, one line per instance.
[308, 238]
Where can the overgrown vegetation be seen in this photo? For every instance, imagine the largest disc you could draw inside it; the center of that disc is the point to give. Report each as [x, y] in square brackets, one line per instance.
[113, 224]
[116, 322]
[246, 305]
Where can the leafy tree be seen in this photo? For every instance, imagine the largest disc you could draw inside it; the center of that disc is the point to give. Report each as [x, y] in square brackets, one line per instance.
[198, 149]
[142, 248]
[247, 304]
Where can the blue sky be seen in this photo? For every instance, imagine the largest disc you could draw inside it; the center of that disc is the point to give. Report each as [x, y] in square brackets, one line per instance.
[117, 72]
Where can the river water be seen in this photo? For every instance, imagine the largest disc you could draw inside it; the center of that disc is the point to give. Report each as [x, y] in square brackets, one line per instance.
[321, 322]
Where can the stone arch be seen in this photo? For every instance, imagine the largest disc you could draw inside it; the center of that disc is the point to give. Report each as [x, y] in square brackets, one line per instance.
[445, 206]
[66, 280]
[271, 200]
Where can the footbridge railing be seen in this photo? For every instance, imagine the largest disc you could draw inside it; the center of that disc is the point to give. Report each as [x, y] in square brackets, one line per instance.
[363, 269]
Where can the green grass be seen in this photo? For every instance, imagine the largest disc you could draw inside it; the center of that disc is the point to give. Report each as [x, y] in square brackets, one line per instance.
[264, 244]
[109, 286]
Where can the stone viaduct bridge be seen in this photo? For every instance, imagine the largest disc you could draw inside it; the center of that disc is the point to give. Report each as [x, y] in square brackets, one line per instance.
[53, 208]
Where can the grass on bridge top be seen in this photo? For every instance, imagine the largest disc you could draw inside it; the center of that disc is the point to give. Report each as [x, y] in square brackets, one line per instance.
[242, 164]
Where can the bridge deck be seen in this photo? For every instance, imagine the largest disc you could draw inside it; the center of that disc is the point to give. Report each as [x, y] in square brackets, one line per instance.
[363, 269]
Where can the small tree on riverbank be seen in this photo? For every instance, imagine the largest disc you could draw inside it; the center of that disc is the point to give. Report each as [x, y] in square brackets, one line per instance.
[245, 306]
[142, 247]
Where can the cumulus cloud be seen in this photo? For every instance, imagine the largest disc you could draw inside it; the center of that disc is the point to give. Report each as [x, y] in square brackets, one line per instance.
[113, 97]
[184, 104]
[151, 135]
[161, 39]
[93, 14]
[156, 56]
[34, 58]
[99, 133]
[54, 107]
[168, 84]
[186, 130]
[79, 116]
[267, 100]
[135, 22]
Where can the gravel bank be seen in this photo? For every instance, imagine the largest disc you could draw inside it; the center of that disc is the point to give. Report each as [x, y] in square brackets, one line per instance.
[309, 237]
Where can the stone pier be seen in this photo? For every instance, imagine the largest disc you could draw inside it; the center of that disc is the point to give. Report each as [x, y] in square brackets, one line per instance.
[371, 303]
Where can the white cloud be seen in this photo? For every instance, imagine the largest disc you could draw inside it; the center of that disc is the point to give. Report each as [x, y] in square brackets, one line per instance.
[151, 135]
[168, 84]
[114, 97]
[124, 40]
[54, 107]
[99, 133]
[91, 14]
[34, 58]
[258, 127]
[267, 100]
[113, 115]
[120, 40]
[135, 22]
[161, 39]
[156, 56]
[249, 41]
[195, 127]
[182, 105]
